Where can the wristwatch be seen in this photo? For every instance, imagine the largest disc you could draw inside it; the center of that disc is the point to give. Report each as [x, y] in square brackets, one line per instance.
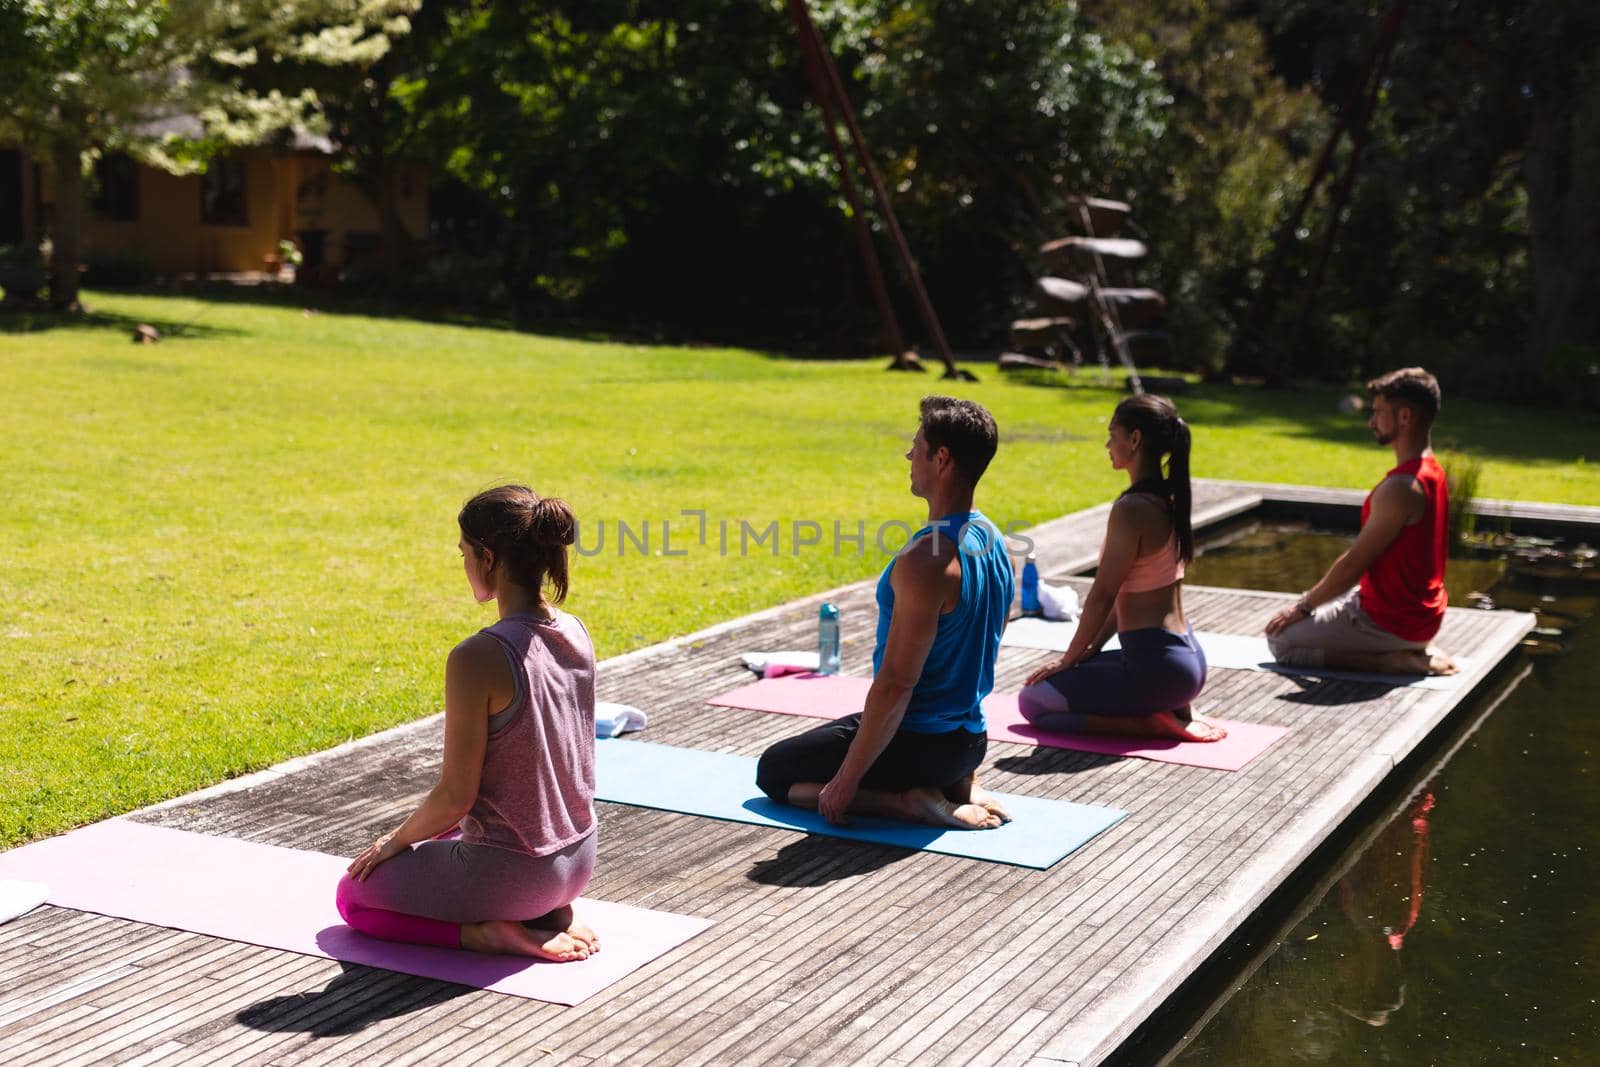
[1305, 608]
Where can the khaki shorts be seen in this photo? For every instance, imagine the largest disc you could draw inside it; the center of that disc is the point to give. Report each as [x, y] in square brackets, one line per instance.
[1337, 626]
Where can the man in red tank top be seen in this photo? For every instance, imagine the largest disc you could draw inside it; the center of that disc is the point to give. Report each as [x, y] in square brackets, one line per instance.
[1383, 600]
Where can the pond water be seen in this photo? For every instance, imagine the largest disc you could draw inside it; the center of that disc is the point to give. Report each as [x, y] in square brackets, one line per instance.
[1463, 925]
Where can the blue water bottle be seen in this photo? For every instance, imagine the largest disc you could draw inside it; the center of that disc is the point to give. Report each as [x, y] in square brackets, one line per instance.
[1030, 587]
[828, 640]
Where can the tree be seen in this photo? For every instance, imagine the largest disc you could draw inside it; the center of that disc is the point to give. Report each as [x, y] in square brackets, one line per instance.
[1475, 225]
[81, 77]
[614, 134]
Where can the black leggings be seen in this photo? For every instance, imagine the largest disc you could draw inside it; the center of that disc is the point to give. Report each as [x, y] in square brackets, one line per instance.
[941, 761]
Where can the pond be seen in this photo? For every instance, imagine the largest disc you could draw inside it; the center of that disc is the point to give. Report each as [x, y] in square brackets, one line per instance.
[1462, 925]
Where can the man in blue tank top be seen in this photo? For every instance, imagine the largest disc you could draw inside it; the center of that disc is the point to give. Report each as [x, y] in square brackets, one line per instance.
[914, 751]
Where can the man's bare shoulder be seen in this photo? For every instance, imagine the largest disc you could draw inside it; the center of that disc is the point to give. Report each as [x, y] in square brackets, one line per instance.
[1399, 489]
[1401, 497]
[929, 558]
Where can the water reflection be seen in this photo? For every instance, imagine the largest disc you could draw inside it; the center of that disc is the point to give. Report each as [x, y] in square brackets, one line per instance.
[1464, 928]
[1386, 880]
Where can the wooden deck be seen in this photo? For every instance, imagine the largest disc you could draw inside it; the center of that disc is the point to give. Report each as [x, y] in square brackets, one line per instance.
[823, 950]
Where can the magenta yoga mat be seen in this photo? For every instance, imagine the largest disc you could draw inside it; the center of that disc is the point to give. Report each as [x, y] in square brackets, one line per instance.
[821, 696]
[283, 898]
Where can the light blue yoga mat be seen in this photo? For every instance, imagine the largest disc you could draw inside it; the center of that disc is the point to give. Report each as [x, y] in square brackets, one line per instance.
[722, 786]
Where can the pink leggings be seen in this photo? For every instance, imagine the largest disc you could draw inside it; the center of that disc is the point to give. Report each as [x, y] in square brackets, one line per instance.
[422, 896]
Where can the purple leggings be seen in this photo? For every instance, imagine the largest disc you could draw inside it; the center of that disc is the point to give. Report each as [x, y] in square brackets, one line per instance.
[422, 896]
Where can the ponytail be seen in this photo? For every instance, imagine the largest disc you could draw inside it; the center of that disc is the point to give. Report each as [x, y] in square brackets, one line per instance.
[551, 530]
[527, 533]
[1158, 423]
[1180, 491]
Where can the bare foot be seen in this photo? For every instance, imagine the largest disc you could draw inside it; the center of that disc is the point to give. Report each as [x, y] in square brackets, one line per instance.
[507, 938]
[930, 806]
[567, 921]
[1410, 661]
[985, 800]
[1180, 725]
[1185, 725]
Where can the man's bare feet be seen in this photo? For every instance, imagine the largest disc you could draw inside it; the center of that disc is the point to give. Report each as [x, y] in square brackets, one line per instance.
[507, 938]
[985, 800]
[1402, 661]
[567, 921]
[932, 807]
[968, 791]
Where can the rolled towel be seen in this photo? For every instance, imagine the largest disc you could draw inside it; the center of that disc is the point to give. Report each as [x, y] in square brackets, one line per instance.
[610, 719]
[19, 898]
[777, 664]
[1058, 602]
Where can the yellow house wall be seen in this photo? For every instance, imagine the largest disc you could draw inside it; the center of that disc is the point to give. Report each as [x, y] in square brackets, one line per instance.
[286, 192]
[168, 231]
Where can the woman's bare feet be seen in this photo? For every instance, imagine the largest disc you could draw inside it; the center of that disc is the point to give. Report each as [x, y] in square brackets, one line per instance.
[567, 921]
[1185, 725]
[1180, 725]
[507, 938]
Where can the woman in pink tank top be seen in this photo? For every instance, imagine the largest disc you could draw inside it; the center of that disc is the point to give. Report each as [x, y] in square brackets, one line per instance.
[518, 766]
[1148, 685]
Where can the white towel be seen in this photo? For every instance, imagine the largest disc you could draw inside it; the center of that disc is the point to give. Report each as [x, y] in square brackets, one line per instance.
[1059, 603]
[611, 719]
[777, 664]
[19, 898]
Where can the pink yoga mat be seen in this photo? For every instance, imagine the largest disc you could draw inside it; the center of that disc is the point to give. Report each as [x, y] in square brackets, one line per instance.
[820, 696]
[283, 898]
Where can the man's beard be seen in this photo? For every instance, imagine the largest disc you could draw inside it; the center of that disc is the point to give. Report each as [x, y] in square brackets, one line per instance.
[1383, 438]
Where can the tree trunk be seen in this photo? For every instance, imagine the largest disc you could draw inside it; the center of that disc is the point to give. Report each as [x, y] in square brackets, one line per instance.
[65, 239]
[1564, 228]
[392, 235]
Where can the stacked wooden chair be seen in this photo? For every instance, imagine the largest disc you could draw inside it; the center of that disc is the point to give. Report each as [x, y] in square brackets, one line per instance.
[1089, 302]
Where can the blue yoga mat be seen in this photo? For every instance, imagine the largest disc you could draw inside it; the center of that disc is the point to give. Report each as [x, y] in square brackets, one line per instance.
[722, 786]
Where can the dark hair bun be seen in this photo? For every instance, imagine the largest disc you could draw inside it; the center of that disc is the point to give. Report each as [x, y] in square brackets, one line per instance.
[552, 523]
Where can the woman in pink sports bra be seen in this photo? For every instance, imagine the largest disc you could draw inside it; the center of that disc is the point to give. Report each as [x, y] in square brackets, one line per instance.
[518, 770]
[1148, 685]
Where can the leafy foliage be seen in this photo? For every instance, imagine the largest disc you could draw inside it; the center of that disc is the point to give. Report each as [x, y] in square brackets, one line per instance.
[615, 136]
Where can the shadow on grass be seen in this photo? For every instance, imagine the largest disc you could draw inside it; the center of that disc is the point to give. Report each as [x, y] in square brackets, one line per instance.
[284, 295]
[19, 322]
[357, 998]
[1481, 429]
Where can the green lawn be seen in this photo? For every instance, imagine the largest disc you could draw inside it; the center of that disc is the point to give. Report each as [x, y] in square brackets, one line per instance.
[239, 545]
